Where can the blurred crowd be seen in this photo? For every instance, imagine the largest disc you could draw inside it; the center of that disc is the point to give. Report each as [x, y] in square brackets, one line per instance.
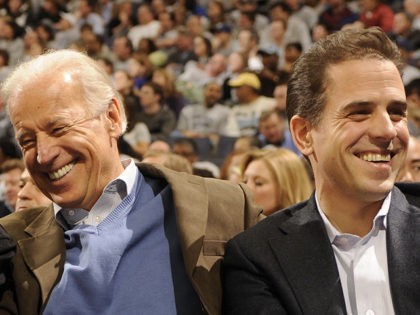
[204, 82]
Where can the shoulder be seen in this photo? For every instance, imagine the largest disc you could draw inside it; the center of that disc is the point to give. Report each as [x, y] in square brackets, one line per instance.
[16, 223]
[223, 198]
[411, 192]
[281, 222]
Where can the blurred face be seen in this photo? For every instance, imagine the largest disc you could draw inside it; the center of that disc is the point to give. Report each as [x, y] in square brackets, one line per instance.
[120, 49]
[200, 48]
[411, 169]
[121, 81]
[144, 14]
[368, 5]
[212, 94]
[277, 13]
[214, 11]
[318, 32]
[412, 7]
[401, 24]
[244, 40]
[279, 94]
[148, 96]
[236, 62]
[165, 21]
[261, 181]
[291, 54]
[29, 195]
[70, 154]
[361, 141]
[277, 29]
[186, 151]
[216, 65]
[242, 93]
[272, 129]
[11, 180]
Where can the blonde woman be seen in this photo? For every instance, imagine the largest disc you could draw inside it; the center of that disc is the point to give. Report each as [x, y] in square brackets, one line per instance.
[277, 177]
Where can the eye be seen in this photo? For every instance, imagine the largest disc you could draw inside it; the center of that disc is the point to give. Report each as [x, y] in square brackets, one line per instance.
[397, 111]
[57, 130]
[416, 167]
[359, 114]
[397, 115]
[259, 183]
[26, 143]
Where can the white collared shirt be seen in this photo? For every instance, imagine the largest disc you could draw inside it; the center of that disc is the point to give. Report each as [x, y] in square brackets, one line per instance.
[112, 195]
[363, 266]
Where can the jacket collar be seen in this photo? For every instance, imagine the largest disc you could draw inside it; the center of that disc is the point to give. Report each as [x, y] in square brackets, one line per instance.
[403, 239]
[191, 225]
[319, 289]
[44, 250]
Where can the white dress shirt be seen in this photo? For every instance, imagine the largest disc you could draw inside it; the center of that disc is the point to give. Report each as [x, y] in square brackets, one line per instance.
[363, 266]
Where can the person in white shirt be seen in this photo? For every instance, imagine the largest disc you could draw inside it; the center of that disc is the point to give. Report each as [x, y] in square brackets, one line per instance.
[244, 117]
[351, 247]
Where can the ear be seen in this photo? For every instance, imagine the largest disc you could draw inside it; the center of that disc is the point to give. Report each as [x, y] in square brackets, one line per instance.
[300, 129]
[113, 116]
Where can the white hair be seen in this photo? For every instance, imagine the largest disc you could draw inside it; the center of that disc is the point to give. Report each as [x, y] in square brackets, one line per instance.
[98, 89]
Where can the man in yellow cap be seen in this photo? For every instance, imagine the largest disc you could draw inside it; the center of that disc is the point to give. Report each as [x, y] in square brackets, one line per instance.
[243, 120]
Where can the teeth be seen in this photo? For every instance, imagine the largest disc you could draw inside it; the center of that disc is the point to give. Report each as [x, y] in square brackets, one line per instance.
[61, 172]
[376, 157]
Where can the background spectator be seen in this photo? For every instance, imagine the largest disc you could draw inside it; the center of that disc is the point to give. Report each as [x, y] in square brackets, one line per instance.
[277, 177]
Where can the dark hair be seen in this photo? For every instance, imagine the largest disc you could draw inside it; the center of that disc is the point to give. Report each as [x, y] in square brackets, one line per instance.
[309, 80]
[207, 43]
[284, 6]
[295, 45]
[11, 164]
[413, 87]
[157, 89]
[186, 141]
[5, 54]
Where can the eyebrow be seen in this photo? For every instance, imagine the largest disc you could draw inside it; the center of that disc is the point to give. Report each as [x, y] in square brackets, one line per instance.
[358, 104]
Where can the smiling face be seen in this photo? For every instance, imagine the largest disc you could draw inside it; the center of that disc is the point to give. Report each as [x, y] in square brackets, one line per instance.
[361, 140]
[70, 154]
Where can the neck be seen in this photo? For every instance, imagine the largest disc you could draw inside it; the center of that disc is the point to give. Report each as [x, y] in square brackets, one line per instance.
[349, 215]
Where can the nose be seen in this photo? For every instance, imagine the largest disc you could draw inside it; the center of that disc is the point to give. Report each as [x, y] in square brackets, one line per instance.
[22, 194]
[47, 150]
[405, 175]
[382, 127]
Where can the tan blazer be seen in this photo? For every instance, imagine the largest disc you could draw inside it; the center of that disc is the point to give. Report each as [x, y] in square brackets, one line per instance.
[209, 213]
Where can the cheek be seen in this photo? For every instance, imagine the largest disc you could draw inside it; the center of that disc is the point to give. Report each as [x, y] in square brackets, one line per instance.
[264, 195]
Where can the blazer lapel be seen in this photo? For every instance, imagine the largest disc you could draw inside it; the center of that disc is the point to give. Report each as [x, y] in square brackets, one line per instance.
[188, 193]
[403, 241]
[44, 251]
[309, 265]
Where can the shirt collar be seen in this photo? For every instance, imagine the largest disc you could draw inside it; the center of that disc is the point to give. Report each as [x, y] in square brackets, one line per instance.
[118, 189]
[379, 221]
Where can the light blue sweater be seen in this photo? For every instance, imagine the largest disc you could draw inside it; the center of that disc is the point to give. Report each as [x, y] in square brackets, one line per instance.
[131, 263]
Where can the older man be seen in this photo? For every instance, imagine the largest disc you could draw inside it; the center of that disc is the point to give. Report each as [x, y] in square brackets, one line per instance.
[119, 238]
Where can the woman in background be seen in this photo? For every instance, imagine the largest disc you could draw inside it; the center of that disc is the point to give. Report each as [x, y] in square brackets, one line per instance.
[277, 177]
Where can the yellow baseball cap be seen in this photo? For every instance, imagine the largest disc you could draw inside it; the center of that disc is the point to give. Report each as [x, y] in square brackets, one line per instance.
[246, 78]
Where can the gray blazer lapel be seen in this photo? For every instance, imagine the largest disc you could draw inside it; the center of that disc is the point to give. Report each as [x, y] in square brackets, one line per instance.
[44, 251]
[403, 241]
[314, 281]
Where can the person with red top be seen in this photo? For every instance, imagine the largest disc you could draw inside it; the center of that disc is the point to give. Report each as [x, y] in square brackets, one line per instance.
[376, 13]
